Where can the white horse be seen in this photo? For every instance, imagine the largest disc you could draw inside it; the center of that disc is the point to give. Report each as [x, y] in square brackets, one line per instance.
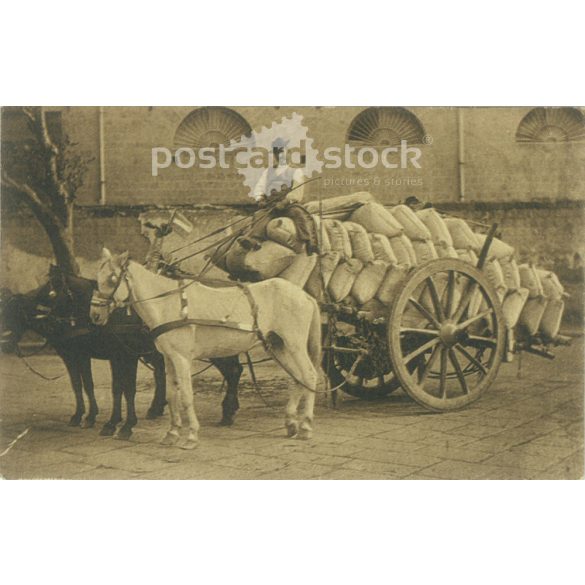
[229, 321]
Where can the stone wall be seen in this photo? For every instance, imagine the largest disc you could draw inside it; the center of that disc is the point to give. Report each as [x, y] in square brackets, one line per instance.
[496, 167]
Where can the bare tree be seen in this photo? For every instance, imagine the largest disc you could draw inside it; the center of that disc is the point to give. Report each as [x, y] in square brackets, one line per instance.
[45, 174]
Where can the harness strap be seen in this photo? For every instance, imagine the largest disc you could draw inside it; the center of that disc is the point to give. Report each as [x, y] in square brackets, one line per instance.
[165, 327]
[254, 310]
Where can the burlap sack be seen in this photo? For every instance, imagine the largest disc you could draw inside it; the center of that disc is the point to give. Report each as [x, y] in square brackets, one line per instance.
[551, 286]
[498, 249]
[513, 305]
[283, 231]
[414, 228]
[529, 279]
[392, 279]
[300, 269]
[343, 278]
[360, 242]
[382, 249]
[340, 207]
[368, 281]
[511, 273]
[403, 250]
[551, 319]
[424, 251]
[462, 235]
[338, 237]
[444, 251]
[267, 262]
[467, 255]
[532, 314]
[440, 234]
[494, 274]
[375, 218]
[321, 274]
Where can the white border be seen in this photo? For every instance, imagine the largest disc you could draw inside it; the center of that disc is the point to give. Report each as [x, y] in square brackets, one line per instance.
[300, 53]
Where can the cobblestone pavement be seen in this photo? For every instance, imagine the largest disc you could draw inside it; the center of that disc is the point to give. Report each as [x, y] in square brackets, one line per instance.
[522, 428]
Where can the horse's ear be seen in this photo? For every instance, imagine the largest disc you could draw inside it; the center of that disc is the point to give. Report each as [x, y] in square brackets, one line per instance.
[123, 258]
[106, 254]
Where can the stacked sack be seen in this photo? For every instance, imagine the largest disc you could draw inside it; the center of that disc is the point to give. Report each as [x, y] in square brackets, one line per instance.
[545, 304]
[368, 249]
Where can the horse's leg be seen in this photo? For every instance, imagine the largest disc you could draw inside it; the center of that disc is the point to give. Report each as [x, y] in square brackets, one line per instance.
[128, 383]
[87, 379]
[73, 369]
[306, 430]
[298, 363]
[290, 422]
[182, 367]
[172, 436]
[157, 407]
[231, 370]
[110, 427]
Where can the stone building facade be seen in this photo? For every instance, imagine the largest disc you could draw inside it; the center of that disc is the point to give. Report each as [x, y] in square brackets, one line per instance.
[467, 154]
[523, 167]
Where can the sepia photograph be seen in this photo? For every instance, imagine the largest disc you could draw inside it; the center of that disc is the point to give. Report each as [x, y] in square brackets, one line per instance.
[281, 292]
[340, 298]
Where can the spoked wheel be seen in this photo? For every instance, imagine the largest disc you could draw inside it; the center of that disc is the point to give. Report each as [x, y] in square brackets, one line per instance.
[446, 334]
[361, 362]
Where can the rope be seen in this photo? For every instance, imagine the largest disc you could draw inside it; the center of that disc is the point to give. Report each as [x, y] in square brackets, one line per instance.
[209, 235]
[261, 216]
[36, 372]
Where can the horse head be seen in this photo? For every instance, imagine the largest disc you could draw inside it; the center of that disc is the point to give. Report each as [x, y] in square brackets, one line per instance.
[112, 288]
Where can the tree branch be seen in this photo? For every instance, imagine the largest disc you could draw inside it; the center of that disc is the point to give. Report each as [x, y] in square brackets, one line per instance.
[57, 191]
[41, 210]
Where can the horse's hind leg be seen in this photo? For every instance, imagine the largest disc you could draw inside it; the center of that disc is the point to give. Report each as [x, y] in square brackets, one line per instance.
[129, 388]
[306, 430]
[87, 379]
[157, 407]
[291, 422]
[297, 363]
[110, 427]
[231, 370]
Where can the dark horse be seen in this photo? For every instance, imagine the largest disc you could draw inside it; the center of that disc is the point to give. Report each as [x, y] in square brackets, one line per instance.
[59, 312]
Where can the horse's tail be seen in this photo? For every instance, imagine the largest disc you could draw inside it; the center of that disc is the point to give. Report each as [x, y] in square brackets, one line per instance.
[314, 343]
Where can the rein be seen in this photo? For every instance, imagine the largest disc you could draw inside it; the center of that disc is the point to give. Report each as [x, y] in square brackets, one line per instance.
[30, 368]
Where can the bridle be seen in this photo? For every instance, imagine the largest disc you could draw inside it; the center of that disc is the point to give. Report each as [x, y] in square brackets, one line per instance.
[101, 300]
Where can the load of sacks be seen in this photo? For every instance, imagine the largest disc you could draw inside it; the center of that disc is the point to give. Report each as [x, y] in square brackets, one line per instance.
[368, 249]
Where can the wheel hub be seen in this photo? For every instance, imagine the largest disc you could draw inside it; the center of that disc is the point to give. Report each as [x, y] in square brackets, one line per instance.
[450, 334]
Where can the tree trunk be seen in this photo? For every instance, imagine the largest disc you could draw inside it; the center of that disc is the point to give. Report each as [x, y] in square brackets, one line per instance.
[61, 239]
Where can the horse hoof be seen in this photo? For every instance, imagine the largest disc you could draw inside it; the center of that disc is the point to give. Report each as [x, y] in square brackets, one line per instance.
[124, 434]
[189, 444]
[170, 439]
[226, 421]
[305, 434]
[292, 429]
[74, 421]
[107, 430]
[155, 413]
[89, 423]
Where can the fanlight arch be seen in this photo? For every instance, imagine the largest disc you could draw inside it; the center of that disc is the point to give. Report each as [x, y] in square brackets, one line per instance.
[385, 126]
[552, 125]
[210, 126]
